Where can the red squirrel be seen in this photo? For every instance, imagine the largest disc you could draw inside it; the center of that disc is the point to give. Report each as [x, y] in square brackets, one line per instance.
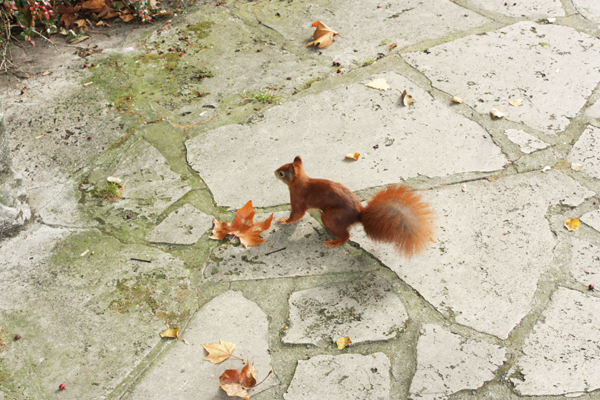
[396, 214]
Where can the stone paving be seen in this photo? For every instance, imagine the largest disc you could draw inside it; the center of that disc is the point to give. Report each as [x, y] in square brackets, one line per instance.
[499, 307]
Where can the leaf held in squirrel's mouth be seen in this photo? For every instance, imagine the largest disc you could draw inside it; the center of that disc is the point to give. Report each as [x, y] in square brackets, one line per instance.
[323, 35]
[242, 227]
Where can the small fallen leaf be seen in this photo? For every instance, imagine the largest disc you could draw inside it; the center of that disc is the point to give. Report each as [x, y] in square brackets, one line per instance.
[46, 73]
[516, 102]
[576, 166]
[84, 253]
[496, 114]
[323, 35]
[186, 342]
[217, 353]
[407, 99]
[353, 156]
[235, 383]
[457, 100]
[343, 342]
[79, 39]
[463, 187]
[391, 46]
[572, 224]
[114, 180]
[546, 168]
[170, 333]
[379, 84]
[242, 227]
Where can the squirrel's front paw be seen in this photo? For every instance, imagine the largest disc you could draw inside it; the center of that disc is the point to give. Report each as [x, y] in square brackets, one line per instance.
[282, 221]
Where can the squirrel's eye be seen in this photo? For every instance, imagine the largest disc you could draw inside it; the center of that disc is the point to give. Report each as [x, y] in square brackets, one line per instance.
[281, 174]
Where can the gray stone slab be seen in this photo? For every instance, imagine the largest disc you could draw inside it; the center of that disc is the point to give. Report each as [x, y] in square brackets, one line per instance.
[562, 356]
[183, 374]
[183, 226]
[364, 26]
[528, 9]
[149, 184]
[87, 313]
[448, 363]
[584, 265]
[14, 208]
[590, 9]
[296, 250]
[528, 143]
[395, 143]
[56, 201]
[491, 235]
[348, 376]
[552, 68]
[586, 151]
[592, 219]
[367, 310]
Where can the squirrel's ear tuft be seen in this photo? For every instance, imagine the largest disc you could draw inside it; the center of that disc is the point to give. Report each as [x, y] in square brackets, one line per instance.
[298, 160]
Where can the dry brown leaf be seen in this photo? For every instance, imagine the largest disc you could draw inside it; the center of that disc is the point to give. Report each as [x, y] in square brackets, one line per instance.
[67, 15]
[93, 5]
[391, 46]
[242, 227]
[323, 35]
[170, 333]
[379, 84]
[353, 156]
[457, 100]
[407, 99]
[235, 383]
[126, 17]
[572, 224]
[516, 102]
[343, 342]
[218, 352]
[496, 114]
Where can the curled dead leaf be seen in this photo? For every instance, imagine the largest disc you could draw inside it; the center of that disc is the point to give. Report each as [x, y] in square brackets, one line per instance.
[242, 227]
[343, 342]
[323, 35]
[218, 352]
[391, 46]
[379, 84]
[353, 156]
[170, 333]
[235, 383]
[516, 102]
[572, 224]
[457, 100]
[407, 99]
[496, 114]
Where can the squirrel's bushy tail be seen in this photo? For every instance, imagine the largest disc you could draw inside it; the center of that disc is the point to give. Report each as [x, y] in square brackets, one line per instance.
[398, 215]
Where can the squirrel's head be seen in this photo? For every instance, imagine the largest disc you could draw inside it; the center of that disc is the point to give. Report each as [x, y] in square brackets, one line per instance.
[288, 172]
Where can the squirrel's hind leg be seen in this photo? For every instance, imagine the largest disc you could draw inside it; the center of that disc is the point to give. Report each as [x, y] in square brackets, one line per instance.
[336, 222]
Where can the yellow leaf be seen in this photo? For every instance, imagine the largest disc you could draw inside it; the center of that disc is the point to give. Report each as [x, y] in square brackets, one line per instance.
[496, 114]
[217, 353]
[353, 156]
[516, 102]
[343, 342]
[379, 84]
[391, 46]
[572, 224]
[170, 333]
